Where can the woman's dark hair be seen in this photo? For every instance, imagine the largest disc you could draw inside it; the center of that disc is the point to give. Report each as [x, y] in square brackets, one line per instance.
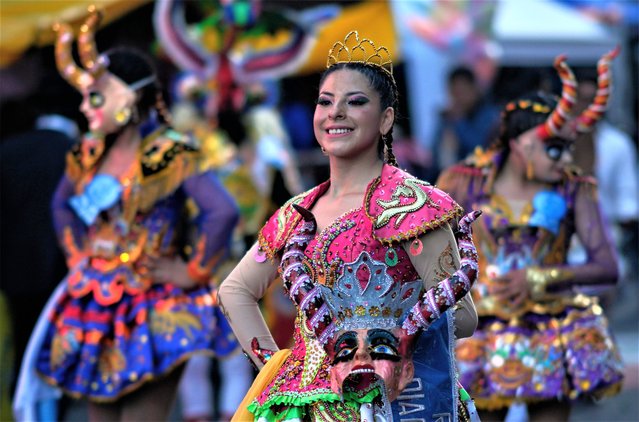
[132, 65]
[386, 88]
[522, 118]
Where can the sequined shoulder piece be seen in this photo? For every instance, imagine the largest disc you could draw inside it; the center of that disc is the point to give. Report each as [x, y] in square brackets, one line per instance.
[402, 207]
[163, 148]
[168, 158]
[83, 156]
[279, 227]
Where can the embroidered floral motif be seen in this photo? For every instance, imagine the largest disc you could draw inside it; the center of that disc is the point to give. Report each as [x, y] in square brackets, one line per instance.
[445, 264]
[111, 361]
[64, 344]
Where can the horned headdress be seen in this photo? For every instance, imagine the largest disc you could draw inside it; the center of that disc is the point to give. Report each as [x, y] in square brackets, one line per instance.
[93, 64]
[586, 121]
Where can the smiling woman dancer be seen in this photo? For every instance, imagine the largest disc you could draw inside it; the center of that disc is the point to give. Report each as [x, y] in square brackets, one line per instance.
[540, 340]
[131, 309]
[373, 233]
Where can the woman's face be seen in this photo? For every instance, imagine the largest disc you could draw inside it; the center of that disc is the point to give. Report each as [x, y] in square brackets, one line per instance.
[103, 100]
[348, 118]
[549, 158]
[360, 357]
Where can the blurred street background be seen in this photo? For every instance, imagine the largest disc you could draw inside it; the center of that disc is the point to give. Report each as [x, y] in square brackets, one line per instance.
[499, 49]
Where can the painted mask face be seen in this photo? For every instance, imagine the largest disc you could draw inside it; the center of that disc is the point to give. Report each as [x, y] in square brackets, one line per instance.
[106, 103]
[361, 357]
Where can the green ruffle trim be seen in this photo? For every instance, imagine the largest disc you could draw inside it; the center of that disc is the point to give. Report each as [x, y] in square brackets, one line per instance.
[296, 405]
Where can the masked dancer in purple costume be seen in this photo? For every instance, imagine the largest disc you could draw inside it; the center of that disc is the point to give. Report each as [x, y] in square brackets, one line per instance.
[133, 307]
[542, 341]
[374, 231]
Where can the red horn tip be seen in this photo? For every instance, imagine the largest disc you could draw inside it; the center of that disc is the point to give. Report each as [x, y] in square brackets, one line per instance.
[614, 53]
[560, 59]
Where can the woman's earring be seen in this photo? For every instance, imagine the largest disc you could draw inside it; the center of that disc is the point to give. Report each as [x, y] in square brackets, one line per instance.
[323, 150]
[123, 116]
[530, 171]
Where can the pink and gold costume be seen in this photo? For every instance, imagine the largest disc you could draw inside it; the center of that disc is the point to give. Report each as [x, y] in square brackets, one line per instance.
[399, 214]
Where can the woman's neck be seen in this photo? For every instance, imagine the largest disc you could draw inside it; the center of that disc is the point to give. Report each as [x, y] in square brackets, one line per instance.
[352, 177]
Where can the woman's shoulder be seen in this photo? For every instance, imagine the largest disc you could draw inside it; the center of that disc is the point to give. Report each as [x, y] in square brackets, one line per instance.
[478, 164]
[281, 224]
[401, 206]
[469, 177]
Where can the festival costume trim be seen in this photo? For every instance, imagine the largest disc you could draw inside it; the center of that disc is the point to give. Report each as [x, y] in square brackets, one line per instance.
[301, 387]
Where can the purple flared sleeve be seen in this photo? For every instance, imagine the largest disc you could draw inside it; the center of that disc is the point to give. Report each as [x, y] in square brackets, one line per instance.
[601, 267]
[217, 217]
[599, 272]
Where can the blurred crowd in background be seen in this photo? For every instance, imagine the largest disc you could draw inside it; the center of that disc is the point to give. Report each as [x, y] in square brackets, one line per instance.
[457, 64]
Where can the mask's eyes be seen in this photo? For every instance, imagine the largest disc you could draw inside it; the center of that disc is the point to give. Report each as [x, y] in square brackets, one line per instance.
[383, 345]
[345, 347]
[345, 354]
[384, 349]
[96, 99]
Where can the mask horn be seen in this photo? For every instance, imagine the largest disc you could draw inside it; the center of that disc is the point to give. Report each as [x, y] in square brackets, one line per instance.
[594, 112]
[557, 118]
[67, 67]
[93, 62]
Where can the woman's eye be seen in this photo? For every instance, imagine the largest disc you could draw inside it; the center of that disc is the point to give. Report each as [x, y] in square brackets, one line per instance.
[323, 102]
[358, 101]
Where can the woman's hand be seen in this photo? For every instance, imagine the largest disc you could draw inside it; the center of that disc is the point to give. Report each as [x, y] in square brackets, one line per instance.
[511, 288]
[170, 270]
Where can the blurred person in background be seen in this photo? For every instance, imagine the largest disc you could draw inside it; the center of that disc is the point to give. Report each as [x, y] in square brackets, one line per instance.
[212, 388]
[541, 342]
[134, 304]
[468, 121]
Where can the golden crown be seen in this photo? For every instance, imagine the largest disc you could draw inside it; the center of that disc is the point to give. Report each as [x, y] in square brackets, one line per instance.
[352, 50]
